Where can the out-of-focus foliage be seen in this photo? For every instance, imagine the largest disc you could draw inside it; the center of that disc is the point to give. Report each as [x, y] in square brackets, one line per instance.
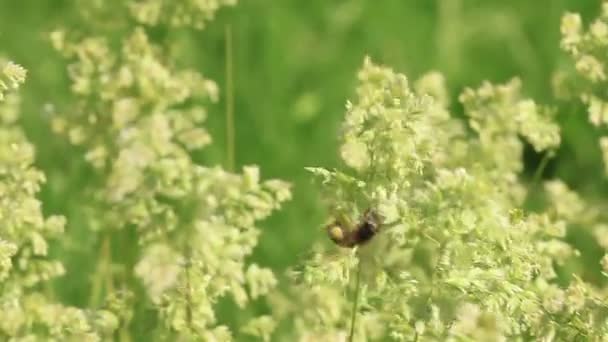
[586, 45]
[25, 265]
[195, 13]
[11, 77]
[122, 103]
[138, 117]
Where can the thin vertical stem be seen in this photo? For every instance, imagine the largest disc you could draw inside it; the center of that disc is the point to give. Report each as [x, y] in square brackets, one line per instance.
[541, 167]
[230, 139]
[353, 319]
[104, 272]
[107, 252]
[188, 253]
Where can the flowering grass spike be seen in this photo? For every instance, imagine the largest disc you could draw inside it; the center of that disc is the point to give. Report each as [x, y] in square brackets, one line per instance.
[460, 259]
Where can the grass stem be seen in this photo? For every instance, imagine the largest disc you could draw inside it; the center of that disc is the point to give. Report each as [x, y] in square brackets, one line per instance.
[230, 134]
[103, 276]
[353, 319]
[541, 168]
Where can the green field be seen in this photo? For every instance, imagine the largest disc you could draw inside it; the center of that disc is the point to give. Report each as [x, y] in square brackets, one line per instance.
[292, 66]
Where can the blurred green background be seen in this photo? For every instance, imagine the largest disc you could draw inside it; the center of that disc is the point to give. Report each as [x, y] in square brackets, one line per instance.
[295, 65]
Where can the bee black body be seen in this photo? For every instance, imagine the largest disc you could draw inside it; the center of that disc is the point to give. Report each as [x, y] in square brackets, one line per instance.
[365, 231]
[345, 236]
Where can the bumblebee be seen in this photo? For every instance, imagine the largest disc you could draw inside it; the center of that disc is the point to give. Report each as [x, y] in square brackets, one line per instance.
[343, 234]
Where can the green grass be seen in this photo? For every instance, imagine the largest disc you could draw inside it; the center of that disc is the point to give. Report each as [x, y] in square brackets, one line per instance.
[294, 66]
